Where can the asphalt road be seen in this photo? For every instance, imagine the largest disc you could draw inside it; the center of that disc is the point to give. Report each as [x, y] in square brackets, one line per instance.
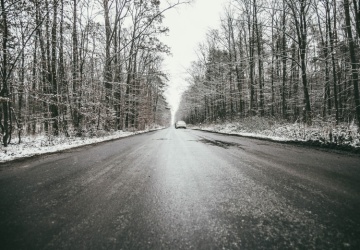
[182, 189]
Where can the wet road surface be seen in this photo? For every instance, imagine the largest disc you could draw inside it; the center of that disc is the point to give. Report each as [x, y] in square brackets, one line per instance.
[182, 189]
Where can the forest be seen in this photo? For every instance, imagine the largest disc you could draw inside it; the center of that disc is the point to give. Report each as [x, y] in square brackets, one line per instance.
[287, 60]
[75, 67]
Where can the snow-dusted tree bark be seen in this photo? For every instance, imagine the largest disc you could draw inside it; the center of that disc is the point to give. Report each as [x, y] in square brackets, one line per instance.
[54, 109]
[354, 60]
[75, 95]
[4, 93]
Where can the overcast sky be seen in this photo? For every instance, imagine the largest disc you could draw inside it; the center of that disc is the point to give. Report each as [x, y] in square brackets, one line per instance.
[188, 27]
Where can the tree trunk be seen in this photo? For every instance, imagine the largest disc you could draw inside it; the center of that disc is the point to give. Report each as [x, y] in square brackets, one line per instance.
[4, 94]
[284, 55]
[354, 61]
[333, 61]
[21, 86]
[54, 91]
[251, 62]
[75, 75]
[260, 63]
[325, 50]
[62, 85]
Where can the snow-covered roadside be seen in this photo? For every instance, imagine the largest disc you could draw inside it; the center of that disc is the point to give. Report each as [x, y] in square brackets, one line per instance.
[322, 134]
[42, 144]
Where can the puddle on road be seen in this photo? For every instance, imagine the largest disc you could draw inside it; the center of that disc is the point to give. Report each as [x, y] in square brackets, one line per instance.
[162, 139]
[221, 144]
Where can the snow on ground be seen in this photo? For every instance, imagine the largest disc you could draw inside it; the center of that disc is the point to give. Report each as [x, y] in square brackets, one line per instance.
[42, 144]
[320, 133]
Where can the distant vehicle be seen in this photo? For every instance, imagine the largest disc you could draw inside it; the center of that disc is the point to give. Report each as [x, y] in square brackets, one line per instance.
[180, 124]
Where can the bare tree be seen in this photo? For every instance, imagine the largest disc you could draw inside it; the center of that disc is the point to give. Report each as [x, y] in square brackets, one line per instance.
[354, 60]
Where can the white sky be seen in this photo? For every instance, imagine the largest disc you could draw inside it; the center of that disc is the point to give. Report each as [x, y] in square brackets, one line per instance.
[188, 26]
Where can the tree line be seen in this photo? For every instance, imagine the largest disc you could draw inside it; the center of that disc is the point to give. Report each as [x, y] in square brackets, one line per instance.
[294, 60]
[77, 66]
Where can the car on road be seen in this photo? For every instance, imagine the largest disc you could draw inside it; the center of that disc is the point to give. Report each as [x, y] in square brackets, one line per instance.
[180, 124]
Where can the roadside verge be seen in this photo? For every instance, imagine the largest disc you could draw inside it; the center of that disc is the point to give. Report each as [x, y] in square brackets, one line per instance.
[43, 145]
[310, 142]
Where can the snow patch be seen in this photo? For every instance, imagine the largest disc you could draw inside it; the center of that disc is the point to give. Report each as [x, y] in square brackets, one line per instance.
[42, 144]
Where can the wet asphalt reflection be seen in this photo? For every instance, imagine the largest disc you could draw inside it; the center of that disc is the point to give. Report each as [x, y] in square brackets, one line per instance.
[182, 189]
